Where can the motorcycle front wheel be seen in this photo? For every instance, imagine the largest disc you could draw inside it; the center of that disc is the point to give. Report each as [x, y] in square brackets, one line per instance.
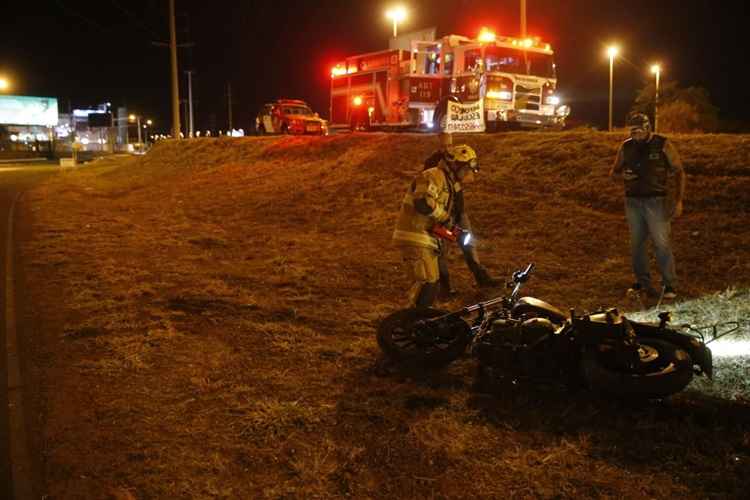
[663, 369]
[405, 338]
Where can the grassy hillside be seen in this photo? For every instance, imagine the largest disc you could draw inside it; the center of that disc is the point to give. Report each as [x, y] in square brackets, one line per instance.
[217, 300]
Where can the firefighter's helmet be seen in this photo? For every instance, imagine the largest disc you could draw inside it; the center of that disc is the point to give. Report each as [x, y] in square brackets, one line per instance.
[461, 156]
[639, 121]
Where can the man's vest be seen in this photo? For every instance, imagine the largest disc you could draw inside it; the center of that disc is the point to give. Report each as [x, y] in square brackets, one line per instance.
[414, 228]
[645, 167]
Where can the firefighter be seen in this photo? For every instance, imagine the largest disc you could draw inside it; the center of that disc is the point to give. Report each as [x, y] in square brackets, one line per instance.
[469, 251]
[644, 161]
[426, 219]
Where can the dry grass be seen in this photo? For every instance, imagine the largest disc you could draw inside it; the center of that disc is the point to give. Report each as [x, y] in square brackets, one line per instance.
[205, 325]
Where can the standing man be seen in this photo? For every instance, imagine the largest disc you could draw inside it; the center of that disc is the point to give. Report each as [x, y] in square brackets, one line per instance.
[644, 162]
[425, 223]
[460, 217]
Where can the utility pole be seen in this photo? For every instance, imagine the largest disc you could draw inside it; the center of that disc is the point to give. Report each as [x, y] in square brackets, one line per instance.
[191, 130]
[229, 104]
[175, 81]
[184, 114]
[523, 18]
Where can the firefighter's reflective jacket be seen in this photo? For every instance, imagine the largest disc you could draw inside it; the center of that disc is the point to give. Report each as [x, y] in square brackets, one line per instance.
[429, 200]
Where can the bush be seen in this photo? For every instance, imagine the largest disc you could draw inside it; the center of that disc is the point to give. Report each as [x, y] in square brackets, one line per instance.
[680, 117]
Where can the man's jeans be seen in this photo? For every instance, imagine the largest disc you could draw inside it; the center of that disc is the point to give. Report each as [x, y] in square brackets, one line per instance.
[649, 217]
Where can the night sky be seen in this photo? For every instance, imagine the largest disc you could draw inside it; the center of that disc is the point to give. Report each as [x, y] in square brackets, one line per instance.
[85, 52]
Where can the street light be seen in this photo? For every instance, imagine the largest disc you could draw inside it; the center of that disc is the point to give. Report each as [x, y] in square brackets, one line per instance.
[397, 15]
[656, 69]
[4, 84]
[145, 128]
[137, 120]
[612, 52]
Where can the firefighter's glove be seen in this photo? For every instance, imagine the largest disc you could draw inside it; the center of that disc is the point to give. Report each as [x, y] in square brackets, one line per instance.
[444, 233]
[455, 233]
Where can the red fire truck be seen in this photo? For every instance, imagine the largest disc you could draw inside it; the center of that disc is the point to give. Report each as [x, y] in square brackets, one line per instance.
[408, 88]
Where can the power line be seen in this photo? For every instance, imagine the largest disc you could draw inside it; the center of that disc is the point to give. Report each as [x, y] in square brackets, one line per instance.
[135, 19]
[89, 21]
[81, 16]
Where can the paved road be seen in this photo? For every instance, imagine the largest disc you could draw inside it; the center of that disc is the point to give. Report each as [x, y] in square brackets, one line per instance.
[14, 179]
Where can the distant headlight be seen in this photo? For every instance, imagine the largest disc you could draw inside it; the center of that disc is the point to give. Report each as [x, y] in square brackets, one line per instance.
[553, 99]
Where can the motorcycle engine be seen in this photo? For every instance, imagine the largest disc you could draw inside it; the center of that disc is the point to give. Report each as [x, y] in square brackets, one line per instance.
[514, 344]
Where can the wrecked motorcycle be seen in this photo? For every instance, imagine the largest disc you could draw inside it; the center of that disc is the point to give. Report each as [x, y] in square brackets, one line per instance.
[515, 338]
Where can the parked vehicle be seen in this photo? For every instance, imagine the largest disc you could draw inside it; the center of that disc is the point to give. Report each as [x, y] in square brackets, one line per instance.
[289, 116]
[525, 338]
[404, 87]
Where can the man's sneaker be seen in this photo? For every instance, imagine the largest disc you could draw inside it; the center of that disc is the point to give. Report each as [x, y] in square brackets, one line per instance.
[637, 289]
[669, 293]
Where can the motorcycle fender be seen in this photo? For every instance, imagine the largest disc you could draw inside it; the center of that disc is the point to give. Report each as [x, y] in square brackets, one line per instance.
[698, 351]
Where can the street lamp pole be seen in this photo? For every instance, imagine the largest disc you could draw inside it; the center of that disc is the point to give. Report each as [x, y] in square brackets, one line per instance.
[145, 128]
[137, 120]
[190, 103]
[612, 52]
[656, 69]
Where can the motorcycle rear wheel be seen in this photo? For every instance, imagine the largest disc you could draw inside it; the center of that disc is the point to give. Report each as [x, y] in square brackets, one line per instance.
[401, 340]
[664, 370]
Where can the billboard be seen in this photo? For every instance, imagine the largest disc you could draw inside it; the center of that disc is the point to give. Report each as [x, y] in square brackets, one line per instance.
[24, 110]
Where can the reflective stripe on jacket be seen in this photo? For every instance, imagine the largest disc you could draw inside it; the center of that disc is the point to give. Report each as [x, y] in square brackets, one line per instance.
[435, 187]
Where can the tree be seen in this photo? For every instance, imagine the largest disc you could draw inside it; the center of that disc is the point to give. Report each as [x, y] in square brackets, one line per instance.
[699, 114]
[680, 117]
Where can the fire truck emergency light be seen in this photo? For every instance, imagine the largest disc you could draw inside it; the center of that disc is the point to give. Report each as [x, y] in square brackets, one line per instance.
[485, 35]
[338, 70]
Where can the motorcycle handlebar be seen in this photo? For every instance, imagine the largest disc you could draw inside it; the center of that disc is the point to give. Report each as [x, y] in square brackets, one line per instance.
[519, 277]
[523, 276]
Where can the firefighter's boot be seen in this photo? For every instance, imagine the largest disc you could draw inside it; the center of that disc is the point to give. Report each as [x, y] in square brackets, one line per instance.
[482, 277]
[484, 280]
[426, 296]
[445, 291]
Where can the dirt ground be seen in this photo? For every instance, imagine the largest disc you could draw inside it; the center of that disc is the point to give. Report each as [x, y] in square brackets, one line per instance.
[201, 325]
